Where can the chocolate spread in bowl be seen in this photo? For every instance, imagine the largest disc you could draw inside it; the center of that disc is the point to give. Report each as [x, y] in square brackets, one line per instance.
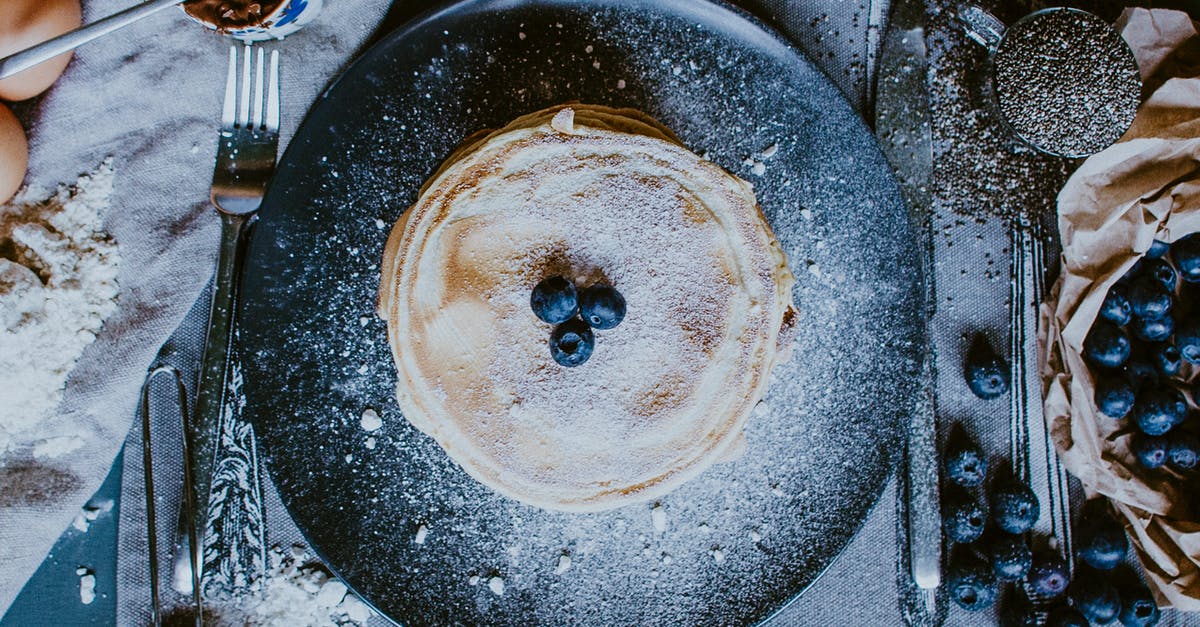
[232, 14]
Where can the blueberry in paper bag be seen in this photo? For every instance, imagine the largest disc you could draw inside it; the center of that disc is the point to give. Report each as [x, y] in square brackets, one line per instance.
[554, 300]
[1010, 555]
[1106, 345]
[1014, 506]
[1094, 595]
[1186, 253]
[1148, 298]
[963, 516]
[1063, 615]
[1167, 360]
[963, 462]
[1158, 249]
[1158, 409]
[1187, 338]
[1183, 450]
[1114, 396]
[970, 581]
[1139, 369]
[1138, 608]
[1116, 308]
[1099, 539]
[1132, 273]
[1048, 576]
[1150, 450]
[1162, 272]
[1153, 329]
[986, 372]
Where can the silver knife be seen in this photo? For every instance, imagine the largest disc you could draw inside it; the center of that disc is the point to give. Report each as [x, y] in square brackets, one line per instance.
[903, 127]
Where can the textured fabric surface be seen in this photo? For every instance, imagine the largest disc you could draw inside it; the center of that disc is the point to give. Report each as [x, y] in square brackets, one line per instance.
[173, 110]
[150, 96]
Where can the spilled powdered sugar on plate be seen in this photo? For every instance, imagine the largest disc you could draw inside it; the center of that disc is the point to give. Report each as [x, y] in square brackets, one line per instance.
[729, 547]
[58, 282]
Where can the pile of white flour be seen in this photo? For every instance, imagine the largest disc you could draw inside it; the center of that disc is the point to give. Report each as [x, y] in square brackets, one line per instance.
[297, 590]
[58, 282]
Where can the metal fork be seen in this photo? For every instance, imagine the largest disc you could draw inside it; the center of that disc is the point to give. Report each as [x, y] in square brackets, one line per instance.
[225, 471]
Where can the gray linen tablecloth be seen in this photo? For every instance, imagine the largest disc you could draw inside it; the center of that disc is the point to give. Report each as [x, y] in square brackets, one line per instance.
[150, 95]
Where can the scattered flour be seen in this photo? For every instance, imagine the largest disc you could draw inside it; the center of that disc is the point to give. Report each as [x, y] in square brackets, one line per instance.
[496, 584]
[297, 590]
[658, 516]
[564, 564]
[422, 531]
[87, 585]
[370, 420]
[58, 282]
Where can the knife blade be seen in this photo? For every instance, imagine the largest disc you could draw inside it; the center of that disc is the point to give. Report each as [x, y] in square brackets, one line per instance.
[903, 127]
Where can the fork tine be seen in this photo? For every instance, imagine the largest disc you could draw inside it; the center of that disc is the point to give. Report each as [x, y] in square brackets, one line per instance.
[244, 100]
[229, 111]
[257, 120]
[272, 121]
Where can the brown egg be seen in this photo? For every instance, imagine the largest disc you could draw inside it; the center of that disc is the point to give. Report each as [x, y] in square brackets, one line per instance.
[24, 23]
[14, 153]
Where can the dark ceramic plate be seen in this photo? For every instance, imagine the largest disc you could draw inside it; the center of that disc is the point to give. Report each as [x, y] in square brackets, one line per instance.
[741, 540]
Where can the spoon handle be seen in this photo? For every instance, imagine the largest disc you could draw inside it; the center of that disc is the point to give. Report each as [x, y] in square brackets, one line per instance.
[51, 48]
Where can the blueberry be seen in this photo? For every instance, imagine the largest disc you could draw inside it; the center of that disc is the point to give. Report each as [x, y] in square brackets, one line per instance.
[1150, 450]
[1014, 506]
[1158, 409]
[986, 372]
[963, 461]
[1158, 249]
[1139, 369]
[970, 582]
[1183, 450]
[1187, 338]
[963, 517]
[1114, 396]
[1167, 360]
[1153, 329]
[1099, 540]
[1048, 576]
[571, 343]
[1106, 345]
[1116, 307]
[1010, 556]
[553, 300]
[1161, 271]
[1138, 608]
[1148, 298]
[1094, 596]
[602, 306]
[1065, 616]
[1186, 253]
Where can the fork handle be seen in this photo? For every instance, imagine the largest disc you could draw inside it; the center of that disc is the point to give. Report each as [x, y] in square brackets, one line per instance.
[212, 388]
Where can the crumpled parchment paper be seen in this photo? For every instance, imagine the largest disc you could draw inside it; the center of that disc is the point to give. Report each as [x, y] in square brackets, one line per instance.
[1145, 187]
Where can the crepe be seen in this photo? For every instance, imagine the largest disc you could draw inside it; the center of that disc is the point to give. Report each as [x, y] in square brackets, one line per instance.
[592, 194]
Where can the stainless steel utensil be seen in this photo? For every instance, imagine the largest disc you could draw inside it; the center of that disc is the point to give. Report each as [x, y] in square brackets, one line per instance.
[903, 126]
[33, 55]
[225, 466]
[189, 502]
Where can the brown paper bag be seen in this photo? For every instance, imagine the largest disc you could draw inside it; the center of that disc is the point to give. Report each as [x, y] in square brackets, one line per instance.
[1143, 188]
